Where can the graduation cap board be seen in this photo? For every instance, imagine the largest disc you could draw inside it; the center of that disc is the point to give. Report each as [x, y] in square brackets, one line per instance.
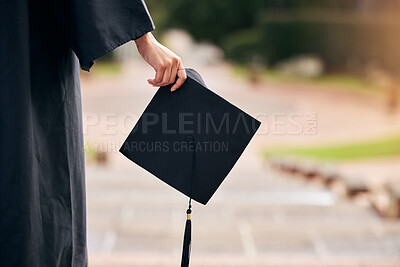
[190, 139]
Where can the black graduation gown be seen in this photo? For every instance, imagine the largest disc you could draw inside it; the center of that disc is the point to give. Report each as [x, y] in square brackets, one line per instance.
[42, 186]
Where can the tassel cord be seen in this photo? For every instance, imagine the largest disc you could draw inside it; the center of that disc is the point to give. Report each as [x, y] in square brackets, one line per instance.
[187, 239]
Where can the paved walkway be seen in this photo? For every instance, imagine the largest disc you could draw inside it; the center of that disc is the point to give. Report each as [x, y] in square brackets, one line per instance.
[257, 217]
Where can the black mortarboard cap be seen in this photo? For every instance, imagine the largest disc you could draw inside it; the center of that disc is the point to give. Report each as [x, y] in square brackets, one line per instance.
[190, 138]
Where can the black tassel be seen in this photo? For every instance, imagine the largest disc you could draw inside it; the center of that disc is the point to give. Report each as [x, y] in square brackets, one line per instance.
[187, 239]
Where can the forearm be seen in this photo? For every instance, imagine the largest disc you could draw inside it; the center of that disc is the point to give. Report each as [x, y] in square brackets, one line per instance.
[144, 40]
[166, 64]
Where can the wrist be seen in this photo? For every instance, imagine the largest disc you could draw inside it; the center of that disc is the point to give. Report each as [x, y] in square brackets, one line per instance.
[144, 40]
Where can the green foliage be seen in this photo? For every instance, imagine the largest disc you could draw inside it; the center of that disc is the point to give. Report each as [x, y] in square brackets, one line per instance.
[328, 81]
[337, 38]
[271, 30]
[389, 146]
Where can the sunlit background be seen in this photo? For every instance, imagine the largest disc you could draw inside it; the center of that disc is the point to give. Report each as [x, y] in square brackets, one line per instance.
[319, 185]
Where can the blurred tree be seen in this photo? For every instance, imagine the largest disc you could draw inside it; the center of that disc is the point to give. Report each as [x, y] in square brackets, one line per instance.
[268, 31]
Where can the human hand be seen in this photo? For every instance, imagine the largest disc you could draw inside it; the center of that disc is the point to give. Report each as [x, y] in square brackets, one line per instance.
[166, 64]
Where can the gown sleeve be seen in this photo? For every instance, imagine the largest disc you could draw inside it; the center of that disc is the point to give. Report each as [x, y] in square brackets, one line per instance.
[92, 28]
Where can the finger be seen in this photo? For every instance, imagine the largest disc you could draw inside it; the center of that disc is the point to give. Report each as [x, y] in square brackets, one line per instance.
[158, 77]
[167, 74]
[181, 78]
[174, 73]
[178, 83]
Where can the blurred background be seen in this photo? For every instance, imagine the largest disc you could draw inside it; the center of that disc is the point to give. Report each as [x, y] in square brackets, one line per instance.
[319, 185]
